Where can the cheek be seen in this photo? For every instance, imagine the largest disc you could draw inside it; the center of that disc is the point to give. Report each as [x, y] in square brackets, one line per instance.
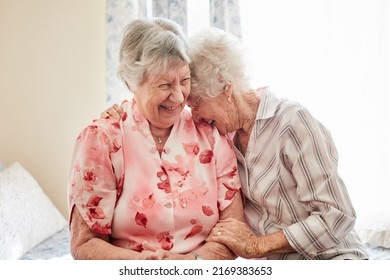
[186, 91]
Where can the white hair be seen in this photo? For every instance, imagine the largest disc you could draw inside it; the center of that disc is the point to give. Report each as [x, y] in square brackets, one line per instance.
[150, 46]
[217, 59]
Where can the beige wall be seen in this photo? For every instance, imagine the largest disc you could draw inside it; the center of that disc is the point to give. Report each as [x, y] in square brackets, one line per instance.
[52, 83]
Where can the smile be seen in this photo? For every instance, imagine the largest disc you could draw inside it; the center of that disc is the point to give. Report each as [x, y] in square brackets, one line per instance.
[170, 108]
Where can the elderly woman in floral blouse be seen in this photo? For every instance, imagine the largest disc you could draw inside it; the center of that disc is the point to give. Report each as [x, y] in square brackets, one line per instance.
[152, 184]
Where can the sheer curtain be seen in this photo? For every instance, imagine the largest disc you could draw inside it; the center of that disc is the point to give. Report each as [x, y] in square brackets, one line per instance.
[333, 57]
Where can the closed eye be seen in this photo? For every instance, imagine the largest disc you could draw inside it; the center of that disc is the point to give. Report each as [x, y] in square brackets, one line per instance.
[185, 81]
[164, 86]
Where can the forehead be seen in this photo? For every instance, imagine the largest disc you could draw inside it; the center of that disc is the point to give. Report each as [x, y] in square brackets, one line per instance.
[171, 74]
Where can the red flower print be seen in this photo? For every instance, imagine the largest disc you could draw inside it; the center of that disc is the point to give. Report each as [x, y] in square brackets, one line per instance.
[115, 147]
[98, 228]
[95, 213]
[140, 219]
[206, 156]
[93, 201]
[207, 210]
[138, 248]
[191, 148]
[124, 117]
[93, 128]
[116, 125]
[165, 186]
[165, 239]
[231, 192]
[194, 231]
[89, 176]
[233, 173]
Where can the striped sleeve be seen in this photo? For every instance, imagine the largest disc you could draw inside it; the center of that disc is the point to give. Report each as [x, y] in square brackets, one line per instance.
[313, 157]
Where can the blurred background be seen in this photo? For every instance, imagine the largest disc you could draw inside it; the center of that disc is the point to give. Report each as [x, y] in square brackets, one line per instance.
[58, 61]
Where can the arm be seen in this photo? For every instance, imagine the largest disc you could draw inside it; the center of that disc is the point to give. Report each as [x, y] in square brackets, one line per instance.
[243, 242]
[93, 191]
[87, 245]
[313, 160]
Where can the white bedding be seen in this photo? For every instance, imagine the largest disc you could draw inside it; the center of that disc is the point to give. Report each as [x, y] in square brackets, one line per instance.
[378, 253]
[54, 247]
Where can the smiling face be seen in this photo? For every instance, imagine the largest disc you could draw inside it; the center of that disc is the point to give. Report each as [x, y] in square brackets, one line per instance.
[161, 97]
[216, 111]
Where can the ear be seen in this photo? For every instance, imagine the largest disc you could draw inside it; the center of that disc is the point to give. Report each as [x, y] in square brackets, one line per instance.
[228, 92]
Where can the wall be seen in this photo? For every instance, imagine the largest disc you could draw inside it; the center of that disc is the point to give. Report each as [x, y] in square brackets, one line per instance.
[52, 83]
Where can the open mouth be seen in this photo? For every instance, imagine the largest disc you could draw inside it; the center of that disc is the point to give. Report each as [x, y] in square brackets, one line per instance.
[170, 108]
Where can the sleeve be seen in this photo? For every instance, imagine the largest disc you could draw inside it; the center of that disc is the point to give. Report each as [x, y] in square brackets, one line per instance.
[313, 161]
[227, 173]
[94, 186]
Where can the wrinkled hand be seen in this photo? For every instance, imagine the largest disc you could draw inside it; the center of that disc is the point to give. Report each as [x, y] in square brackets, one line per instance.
[115, 111]
[237, 236]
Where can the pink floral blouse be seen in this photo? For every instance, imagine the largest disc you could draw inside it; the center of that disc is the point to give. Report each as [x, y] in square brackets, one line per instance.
[122, 187]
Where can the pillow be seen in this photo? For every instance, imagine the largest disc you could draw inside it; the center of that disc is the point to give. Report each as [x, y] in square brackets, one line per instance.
[375, 231]
[27, 216]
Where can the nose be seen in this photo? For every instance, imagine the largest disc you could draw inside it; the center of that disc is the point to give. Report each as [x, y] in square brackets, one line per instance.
[176, 95]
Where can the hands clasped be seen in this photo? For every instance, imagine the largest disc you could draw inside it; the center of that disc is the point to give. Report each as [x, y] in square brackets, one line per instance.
[237, 236]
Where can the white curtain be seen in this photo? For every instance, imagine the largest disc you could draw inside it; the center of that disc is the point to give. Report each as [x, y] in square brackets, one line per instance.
[333, 56]
[225, 14]
[118, 14]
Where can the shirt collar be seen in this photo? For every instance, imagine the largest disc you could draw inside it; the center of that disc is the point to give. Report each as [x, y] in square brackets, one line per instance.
[267, 108]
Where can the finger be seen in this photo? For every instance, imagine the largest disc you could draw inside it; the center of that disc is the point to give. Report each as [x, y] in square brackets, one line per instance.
[104, 115]
[113, 113]
[117, 108]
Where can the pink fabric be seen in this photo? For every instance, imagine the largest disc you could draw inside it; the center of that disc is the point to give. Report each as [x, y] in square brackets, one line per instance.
[122, 187]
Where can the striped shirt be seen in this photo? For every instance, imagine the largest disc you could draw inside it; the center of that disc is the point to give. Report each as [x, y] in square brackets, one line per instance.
[290, 182]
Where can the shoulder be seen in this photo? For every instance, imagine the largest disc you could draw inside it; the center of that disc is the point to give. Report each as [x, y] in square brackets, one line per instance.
[288, 111]
[101, 133]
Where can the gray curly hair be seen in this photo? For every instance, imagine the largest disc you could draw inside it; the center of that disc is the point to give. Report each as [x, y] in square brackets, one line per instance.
[150, 46]
[217, 59]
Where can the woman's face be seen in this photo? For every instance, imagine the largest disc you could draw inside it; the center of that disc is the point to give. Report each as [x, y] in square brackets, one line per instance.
[215, 111]
[162, 97]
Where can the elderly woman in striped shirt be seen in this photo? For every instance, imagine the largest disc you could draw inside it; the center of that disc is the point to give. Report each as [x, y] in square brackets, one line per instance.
[296, 205]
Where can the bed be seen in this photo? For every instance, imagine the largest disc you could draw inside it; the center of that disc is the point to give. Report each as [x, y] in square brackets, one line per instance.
[375, 233]
[32, 228]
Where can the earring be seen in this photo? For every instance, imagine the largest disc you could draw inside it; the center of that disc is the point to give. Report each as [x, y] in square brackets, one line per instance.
[230, 99]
